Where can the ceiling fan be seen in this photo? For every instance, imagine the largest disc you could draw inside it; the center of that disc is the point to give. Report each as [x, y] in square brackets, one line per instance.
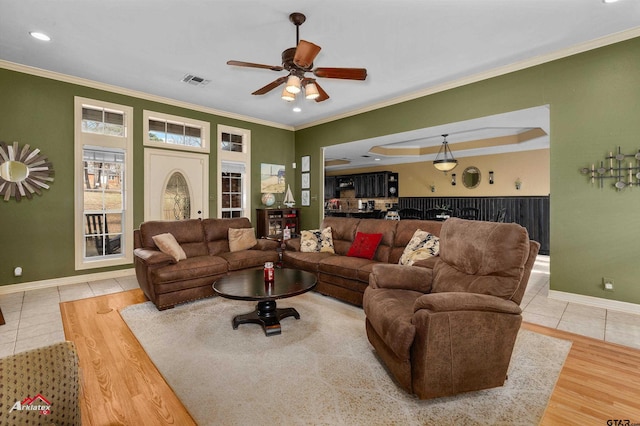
[298, 61]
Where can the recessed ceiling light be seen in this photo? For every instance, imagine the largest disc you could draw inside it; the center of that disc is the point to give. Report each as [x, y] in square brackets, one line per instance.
[297, 109]
[609, 1]
[40, 36]
[376, 159]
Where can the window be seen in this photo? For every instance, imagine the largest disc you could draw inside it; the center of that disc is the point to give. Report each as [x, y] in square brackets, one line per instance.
[231, 142]
[170, 131]
[234, 164]
[232, 194]
[103, 214]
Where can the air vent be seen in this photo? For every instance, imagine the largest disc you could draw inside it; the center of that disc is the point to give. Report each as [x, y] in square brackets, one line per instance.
[195, 80]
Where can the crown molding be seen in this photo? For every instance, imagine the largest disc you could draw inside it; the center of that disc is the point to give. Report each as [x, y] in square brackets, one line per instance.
[516, 66]
[134, 93]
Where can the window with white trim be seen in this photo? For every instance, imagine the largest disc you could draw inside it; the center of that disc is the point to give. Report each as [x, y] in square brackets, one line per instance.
[234, 168]
[103, 188]
[233, 175]
[171, 131]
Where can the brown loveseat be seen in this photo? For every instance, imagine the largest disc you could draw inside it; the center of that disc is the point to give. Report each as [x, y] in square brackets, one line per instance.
[167, 282]
[452, 329]
[344, 277]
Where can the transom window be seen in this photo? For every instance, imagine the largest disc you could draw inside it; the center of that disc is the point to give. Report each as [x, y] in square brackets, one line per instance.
[170, 131]
[102, 121]
[231, 142]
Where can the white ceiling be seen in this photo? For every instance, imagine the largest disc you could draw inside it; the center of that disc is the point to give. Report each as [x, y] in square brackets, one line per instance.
[407, 46]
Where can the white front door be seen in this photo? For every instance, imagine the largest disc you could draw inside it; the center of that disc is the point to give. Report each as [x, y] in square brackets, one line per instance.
[176, 185]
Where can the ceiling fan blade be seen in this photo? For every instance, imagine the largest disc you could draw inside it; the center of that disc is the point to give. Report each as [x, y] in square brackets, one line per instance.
[252, 65]
[306, 52]
[269, 87]
[323, 95]
[344, 73]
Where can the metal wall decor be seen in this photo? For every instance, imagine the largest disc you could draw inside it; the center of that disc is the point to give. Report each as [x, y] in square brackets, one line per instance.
[624, 173]
[23, 172]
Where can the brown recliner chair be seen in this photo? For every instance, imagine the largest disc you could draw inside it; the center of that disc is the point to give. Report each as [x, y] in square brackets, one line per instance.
[452, 329]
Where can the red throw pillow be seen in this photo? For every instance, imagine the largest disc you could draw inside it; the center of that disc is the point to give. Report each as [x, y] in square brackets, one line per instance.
[365, 245]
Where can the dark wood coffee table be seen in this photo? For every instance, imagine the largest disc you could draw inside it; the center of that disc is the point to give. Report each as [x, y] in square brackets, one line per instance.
[250, 285]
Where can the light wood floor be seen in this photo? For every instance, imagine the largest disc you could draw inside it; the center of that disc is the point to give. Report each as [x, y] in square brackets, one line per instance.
[121, 386]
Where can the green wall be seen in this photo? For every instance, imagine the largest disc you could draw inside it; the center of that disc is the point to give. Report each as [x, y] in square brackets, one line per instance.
[37, 234]
[594, 100]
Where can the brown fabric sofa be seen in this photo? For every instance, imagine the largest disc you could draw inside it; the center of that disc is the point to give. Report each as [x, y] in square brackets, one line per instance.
[205, 242]
[452, 329]
[344, 277]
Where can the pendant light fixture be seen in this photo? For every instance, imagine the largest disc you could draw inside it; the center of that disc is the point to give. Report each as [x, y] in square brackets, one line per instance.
[444, 160]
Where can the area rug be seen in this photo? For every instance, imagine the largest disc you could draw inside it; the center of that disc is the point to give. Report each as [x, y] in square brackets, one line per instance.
[320, 370]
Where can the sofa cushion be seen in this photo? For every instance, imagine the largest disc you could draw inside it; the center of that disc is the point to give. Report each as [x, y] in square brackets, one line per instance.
[216, 232]
[248, 258]
[167, 244]
[241, 239]
[405, 231]
[343, 231]
[191, 267]
[364, 245]
[317, 240]
[304, 261]
[188, 233]
[343, 266]
[422, 246]
[481, 257]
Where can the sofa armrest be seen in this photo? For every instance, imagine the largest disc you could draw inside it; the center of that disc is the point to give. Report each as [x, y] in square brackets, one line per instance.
[153, 257]
[293, 244]
[266, 244]
[401, 277]
[460, 301]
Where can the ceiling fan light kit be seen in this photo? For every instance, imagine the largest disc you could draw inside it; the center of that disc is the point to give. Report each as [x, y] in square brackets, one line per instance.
[288, 96]
[293, 84]
[311, 91]
[444, 160]
[298, 61]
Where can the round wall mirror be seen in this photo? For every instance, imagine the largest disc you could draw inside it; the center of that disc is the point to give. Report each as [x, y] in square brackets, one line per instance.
[23, 171]
[471, 177]
[14, 171]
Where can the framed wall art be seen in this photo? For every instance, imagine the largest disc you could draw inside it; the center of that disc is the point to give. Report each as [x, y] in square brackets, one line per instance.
[306, 163]
[306, 197]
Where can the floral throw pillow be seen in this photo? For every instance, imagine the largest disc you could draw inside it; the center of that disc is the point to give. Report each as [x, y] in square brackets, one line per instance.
[317, 240]
[421, 246]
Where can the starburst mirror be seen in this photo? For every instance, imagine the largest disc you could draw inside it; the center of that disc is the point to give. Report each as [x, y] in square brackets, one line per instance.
[23, 172]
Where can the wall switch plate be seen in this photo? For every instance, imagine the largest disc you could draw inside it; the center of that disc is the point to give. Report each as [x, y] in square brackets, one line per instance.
[607, 283]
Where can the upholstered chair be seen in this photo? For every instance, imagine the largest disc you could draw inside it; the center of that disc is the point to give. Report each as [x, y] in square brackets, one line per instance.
[452, 329]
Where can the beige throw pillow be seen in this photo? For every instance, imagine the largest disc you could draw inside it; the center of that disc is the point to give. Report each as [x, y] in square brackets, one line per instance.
[241, 239]
[317, 240]
[167, 244]
[421, 246]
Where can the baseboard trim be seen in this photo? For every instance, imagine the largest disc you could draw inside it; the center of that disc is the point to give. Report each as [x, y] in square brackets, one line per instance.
[597, 302]
[75, 279]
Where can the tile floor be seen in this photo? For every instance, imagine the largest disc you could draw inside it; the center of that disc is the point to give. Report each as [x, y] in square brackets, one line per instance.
[33, 317]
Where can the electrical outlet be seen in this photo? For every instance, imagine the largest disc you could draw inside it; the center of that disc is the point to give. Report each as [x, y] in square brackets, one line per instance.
[607, 283]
